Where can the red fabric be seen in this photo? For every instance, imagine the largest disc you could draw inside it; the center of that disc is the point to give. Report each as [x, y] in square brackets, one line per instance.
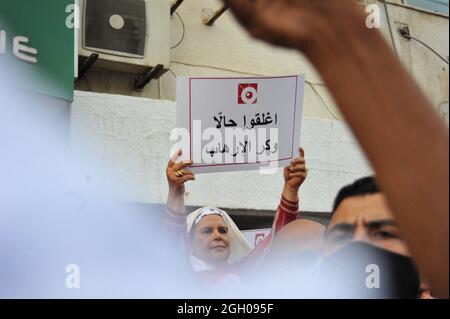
[287, 212]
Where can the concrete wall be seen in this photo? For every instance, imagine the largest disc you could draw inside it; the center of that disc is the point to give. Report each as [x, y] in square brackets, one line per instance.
[429, 71]
[226, 50]
[129, 135]
[222, 50]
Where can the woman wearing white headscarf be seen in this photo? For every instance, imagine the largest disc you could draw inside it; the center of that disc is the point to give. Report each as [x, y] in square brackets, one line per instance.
[216, 248]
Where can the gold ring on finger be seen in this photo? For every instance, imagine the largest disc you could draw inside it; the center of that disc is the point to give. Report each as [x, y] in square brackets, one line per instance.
[179, 173]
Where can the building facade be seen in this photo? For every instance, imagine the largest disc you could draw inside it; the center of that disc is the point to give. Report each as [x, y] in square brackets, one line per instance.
[127, 131]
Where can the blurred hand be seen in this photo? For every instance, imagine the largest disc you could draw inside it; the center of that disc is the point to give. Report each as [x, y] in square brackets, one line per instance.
[177, 174]
[295, 173]
[289, 23]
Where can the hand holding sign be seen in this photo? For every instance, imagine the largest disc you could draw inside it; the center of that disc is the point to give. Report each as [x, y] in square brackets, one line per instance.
[295, 173]
[177, 174]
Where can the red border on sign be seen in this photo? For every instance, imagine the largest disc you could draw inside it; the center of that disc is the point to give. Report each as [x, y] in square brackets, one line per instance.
[236, 78]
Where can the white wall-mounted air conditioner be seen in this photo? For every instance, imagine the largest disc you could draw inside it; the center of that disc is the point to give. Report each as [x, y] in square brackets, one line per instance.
[129, 35]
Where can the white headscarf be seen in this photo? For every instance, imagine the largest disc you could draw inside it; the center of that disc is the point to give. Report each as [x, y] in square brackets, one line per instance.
[239, 247]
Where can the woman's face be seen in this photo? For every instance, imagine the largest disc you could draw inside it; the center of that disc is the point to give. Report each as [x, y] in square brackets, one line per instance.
[211, 242]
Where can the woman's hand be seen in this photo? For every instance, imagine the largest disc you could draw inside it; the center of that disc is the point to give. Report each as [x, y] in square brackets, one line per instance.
[177, 174]
[294, 176]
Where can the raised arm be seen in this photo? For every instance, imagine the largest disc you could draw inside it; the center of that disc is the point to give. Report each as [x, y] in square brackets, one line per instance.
[398, 129]
[175, 215]
[294, 176]
[288, 210]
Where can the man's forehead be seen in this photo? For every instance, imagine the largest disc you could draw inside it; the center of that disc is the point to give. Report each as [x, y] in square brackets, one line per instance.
[368, 207]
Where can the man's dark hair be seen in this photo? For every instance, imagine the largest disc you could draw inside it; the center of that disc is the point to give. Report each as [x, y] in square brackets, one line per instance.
[363, 186]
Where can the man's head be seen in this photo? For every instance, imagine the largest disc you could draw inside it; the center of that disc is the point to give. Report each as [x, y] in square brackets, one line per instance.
[363, 248]
[210, 240]
[296, 246]
[361, 213]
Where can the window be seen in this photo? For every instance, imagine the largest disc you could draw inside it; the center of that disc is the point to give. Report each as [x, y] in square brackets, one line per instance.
[440, 6]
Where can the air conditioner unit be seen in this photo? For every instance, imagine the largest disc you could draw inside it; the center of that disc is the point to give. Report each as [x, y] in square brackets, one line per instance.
[130, 36]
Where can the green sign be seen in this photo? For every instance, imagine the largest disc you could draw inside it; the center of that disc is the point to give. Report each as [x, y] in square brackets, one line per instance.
[37, 45]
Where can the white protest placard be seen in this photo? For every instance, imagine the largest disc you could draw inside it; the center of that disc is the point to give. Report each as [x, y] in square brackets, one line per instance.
[233, 124]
